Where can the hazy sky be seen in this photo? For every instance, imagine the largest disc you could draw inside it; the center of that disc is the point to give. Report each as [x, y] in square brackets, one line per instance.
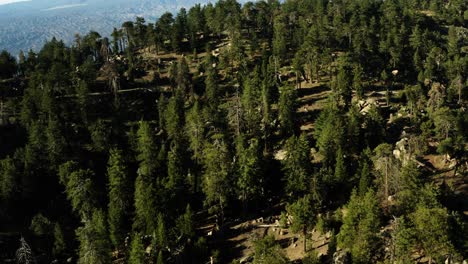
[3, 2]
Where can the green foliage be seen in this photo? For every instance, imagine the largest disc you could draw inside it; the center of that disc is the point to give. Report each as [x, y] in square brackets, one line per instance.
[304, 216]
[217, 136]
[55, 142]
[161, 240]
[9, 185]
[344, 82]
[185, 223]
[41, 225]
[79, 189]
[359, 232]
[311, 258]
[296, 165]
[267, 251]
[94, 241]
[387, 167]
[119, 197]
[59, 241]
[340, 167]
[174, 116]
[100, 135]
[250, 181]
[137, 250]
[432, 230]
[329, 133]
[364, 172]
[145, 185]
[8, 65]
[287, 109]
[160, 259]
[216, 177]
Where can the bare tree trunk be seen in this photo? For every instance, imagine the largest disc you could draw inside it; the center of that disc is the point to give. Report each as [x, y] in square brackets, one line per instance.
[304, 231]
[386, 182]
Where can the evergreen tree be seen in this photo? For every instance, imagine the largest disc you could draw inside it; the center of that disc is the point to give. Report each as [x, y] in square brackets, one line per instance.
[145, 184]
[119, 197]
[340, 167]
[94, 241]
[55, 142]
[304, 216]
[185, 223]
[360, 227]
[267, 251]
[59, 241]
[431, 229]
[296, 165]
[160, 237]
[250, 181]
[216, 181]
[9, 185]
[8, 65]
[80, 189]
[287, 109]
[160, 259]
[137, 250]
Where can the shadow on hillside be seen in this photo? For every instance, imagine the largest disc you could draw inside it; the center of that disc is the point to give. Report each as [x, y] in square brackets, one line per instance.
[313, 90]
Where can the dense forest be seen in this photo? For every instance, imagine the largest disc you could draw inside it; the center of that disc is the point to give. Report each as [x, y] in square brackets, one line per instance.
[303, 131]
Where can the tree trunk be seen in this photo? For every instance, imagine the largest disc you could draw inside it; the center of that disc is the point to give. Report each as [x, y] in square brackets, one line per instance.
[304, 231]
[386, 182]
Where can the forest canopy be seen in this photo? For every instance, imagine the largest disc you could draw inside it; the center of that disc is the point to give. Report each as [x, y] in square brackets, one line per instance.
[231, 133]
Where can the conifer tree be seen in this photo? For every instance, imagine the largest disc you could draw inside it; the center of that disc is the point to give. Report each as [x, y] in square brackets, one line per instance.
[340, 167]
[9, 185]
[304, 216]
[137, 250]
[296, 165]
[59, 241]
[80, 189]
[145, 184]
[359, 232]
[185, 223]
[94, 241]
[119, 197]
[216, 180]
[250, 181]
[287, 109]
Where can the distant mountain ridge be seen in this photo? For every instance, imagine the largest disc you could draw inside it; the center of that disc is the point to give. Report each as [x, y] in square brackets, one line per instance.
[28, 25]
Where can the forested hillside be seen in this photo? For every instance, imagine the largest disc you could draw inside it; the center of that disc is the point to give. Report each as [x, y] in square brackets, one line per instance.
[303, 131]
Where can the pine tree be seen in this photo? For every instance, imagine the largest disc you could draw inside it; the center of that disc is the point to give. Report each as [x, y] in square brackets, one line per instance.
[145, 204]
[432, 234]
[119, 197]
[386, 164]
[267, 251]
[59, 241]
[216, 183]
[161, 238]
[137, 250]
[79, 189]
[250, 181]
[296, 165]
[94, 241]
[340, 167]
[287, 109]
[360, 228]
[9, 185]
[55, 142]
[160, 259]
[185, 223]
[304, 216]
[175, 116]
